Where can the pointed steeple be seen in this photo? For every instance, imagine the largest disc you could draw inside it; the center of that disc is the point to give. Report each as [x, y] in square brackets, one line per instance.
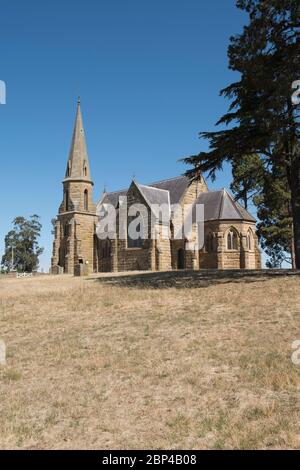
[78, 166]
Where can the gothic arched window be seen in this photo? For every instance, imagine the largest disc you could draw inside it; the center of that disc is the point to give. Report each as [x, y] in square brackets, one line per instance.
[232, 240]
[249, 240]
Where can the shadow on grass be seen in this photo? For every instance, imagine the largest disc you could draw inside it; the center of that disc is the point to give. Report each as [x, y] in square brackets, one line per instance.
[190, 279]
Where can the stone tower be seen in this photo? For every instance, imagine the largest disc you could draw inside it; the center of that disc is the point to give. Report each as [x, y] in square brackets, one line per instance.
[73, 246]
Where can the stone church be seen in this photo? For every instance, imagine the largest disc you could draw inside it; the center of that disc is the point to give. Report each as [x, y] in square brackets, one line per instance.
[229, 237]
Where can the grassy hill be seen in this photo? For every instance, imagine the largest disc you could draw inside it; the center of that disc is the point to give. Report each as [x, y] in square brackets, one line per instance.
[150, 361]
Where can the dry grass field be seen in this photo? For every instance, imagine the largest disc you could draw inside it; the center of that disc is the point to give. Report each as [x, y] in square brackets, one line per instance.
[148, 361]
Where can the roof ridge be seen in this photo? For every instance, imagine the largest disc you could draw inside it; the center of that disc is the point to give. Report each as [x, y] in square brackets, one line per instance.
[117, 191]
[152, 187]
[149, 184]
[167, 179]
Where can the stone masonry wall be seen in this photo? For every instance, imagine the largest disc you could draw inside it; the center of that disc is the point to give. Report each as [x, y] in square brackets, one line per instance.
[76, 189]
[133, 259]
[223, 258]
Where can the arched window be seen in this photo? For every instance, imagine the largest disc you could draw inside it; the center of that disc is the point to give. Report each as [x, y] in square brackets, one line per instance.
[66, 200]
[232, 240]
[229, 241]
[249, 240]
[86, 200]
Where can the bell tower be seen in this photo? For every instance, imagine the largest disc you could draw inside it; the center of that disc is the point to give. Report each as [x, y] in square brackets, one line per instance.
[74, 225]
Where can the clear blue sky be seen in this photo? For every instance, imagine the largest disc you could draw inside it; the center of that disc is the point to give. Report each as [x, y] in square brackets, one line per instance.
[148, 73]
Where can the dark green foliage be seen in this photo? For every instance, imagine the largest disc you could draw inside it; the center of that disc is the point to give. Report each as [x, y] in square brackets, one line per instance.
[21, 243]
[275, 228]
[261, 119]
[247, 176]
[269, 192]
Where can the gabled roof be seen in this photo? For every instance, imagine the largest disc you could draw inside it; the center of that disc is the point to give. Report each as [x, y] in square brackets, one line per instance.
[175, 186]
[220, 205]
[113, 198]
[155, 197]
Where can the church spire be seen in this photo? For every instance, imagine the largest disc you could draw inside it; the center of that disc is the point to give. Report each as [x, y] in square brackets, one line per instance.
[78, 163]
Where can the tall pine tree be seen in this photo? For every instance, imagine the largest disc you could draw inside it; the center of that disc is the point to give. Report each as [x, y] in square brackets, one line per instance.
[261, 118]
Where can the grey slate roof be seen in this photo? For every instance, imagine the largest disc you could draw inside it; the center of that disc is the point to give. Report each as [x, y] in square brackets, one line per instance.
[154, 195]
[113, 198]
[175, 186]
[220, 205]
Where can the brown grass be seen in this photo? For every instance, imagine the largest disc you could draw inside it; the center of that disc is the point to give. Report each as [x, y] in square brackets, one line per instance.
[105, 364]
